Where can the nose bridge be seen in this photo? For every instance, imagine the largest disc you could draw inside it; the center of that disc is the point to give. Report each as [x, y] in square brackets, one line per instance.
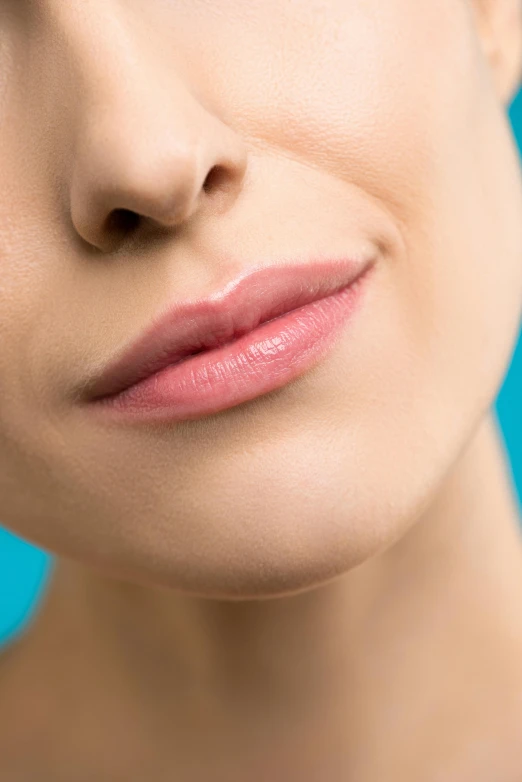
[143, 143]
[116, 67]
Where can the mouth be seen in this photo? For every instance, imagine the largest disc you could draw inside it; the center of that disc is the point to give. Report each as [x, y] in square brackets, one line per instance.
[258, 333]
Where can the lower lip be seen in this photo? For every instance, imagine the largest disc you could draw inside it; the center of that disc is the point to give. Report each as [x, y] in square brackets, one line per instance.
[267, 358]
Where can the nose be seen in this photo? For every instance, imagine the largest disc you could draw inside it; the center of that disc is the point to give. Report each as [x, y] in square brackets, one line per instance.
[147, 152]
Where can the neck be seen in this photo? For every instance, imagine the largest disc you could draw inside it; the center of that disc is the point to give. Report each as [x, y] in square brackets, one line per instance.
[311, 684]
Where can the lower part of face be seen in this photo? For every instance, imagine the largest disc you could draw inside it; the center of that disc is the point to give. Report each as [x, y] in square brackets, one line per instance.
[362, 122]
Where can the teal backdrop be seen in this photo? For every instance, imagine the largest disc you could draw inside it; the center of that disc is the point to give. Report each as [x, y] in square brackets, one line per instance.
[25, 569]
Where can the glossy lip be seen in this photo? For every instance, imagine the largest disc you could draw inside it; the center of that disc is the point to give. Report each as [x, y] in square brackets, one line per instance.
[242, 306]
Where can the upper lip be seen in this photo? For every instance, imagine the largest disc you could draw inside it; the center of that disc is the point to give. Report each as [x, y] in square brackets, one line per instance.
[244, 303]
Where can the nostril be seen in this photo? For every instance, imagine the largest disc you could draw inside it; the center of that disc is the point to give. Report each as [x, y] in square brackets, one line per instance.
[122, 221]
[215, 178]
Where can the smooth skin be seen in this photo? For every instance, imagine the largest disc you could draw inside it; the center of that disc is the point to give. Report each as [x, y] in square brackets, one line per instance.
[325, 583]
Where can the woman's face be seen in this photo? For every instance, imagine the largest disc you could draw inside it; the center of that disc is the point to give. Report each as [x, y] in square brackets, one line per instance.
[337, 124]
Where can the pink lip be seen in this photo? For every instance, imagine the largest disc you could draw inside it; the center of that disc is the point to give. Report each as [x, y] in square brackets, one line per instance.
[257, 334]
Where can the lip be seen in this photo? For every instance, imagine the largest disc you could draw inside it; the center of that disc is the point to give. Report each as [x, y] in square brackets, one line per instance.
[257, 333]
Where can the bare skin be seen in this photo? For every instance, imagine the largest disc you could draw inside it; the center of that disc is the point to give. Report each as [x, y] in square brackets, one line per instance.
[417, 652]
[325, 583]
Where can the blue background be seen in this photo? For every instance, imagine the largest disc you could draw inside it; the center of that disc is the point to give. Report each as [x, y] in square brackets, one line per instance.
[25, 569]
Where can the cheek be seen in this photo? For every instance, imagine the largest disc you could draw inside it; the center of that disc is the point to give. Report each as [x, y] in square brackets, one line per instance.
[354, 89]
[397, 100]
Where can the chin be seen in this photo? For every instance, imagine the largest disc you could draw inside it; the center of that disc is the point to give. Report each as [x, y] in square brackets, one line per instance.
[291, 549]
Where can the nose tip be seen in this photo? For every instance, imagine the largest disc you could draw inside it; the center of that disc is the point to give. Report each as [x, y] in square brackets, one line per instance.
[161, 170]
